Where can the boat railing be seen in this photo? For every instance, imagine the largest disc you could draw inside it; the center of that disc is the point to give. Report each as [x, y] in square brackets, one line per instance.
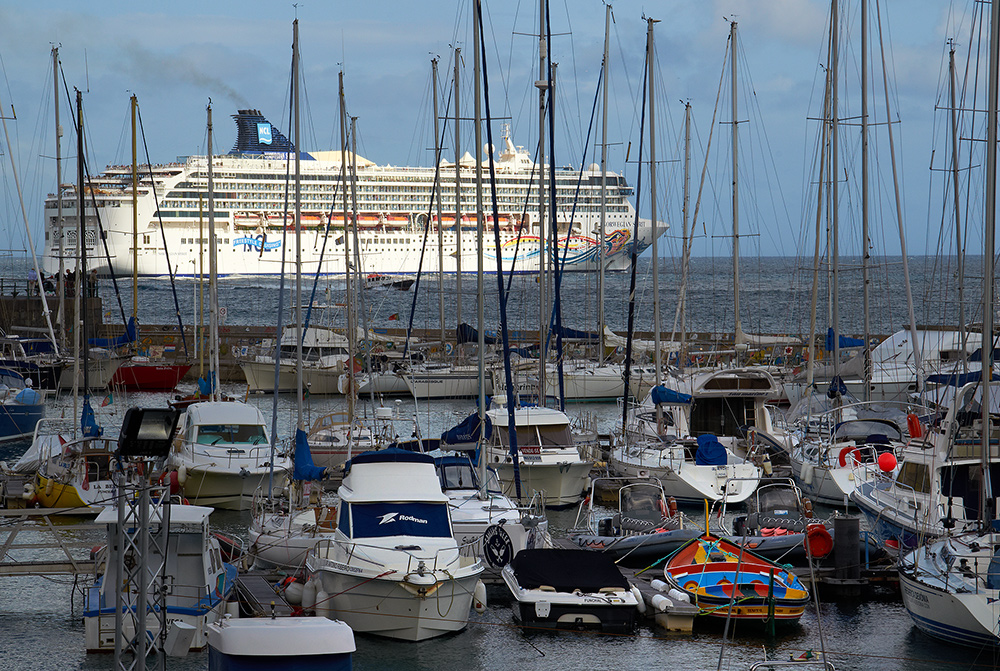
[436, 560]
[797, 663]
[233, 452]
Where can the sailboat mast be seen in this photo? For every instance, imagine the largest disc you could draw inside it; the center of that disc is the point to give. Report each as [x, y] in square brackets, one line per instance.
[351, 334]
[437, 188]
[604, 188]
[958, 218]
[480, 221]
[865, 237]
[458, 200]
[81, 280]
[61, 280]
[652, 200]
[298, 228]
[543, 313]
[213, 275]
[685, 242]
[135, 215]
[989, 224]
[738, 337]
[835, 181]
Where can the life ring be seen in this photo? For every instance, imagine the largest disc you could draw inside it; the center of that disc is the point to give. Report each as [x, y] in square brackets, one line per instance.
[913, 426]
[850, 449]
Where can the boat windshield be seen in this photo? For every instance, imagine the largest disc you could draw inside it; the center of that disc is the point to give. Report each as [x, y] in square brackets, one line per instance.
[377, 520]
[215, 434]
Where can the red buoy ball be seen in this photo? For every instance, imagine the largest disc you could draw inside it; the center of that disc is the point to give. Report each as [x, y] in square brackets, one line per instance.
[887, 461]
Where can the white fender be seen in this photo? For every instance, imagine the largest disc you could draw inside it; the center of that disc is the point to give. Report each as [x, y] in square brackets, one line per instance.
[479, 597]
[640, 603]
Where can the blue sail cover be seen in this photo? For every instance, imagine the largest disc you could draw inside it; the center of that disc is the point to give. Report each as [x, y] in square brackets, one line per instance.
[205, 386]
[710, 451]
[573, 333]
[130, 336]
[305, 469]
[467, 431]
[836, 388]
[845, 342]
[467, 333]
[666, 395]
[88, 422]
[958, 379]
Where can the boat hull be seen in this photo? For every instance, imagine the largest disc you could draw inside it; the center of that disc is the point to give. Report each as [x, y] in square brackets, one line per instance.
[562, 484]
[961, 619]
[390, 608]
[228, 489]
[148, 377]
[18, 421]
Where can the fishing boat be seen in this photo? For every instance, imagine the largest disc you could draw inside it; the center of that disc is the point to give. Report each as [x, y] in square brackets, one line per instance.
[21, 406]
[142, 373]
[201, 580]
[223, 455]
[393, 567]
[549, 459]
[727, 581]
[572, 589]
[300, 643]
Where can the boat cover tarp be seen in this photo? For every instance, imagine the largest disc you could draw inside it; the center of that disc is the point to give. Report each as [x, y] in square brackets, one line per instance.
[573, 333]
[845, 341]
[710, 451]
[467, 333]
[28, 396]
[667, 395]
[205, 385]
[958, 379]
[88, 422]
[417, 445]
[410, 518]
[566, 570]
[468, 431]
[978, 355]
[390, 454]
[305, 469]
[130, 336]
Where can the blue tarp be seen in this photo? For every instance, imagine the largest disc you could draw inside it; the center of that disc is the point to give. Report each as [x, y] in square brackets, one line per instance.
[573, 333]
[205, 386]
[305, 469]
[957, 379]
[88, 422]
[710, 451]
[845, 342]
[663, 394]
[28, 396]
[130, 336]
[467, 431]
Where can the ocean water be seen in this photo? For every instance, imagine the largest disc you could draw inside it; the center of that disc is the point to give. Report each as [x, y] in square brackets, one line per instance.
[40, 623]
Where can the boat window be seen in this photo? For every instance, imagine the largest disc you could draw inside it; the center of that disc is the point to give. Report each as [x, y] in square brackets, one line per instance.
[555, 436]
[457, 476]
[377, 520]
[215, 434]
[914, 475]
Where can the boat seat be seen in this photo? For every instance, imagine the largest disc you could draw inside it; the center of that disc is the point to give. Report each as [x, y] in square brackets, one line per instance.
[610, 589]
[546, 588]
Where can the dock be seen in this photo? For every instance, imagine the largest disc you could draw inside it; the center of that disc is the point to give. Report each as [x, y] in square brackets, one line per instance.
[64, 553]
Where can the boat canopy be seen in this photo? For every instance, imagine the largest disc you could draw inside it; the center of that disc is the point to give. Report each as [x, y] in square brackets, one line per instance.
[566, 570]
[665, 395]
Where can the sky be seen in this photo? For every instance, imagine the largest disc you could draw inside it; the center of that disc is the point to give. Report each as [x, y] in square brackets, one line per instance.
[177, 56]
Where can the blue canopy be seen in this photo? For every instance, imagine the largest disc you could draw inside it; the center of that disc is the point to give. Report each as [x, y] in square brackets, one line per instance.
[389, 454]
[88, 422]
[845, 342]
[305, 469]
[468, 431]
[130, 336]
[710, 451]
[663, 394]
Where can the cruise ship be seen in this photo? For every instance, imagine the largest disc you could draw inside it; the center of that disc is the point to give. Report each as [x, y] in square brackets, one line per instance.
[254, 216]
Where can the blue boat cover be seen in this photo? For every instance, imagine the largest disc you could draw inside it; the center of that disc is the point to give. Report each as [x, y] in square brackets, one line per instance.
[305, 469]
[88, 422]
[410, 518]
[573, 333]
[710, 451]
[467, 333]
[467, 431]
[417, 445]
[845, 342]
[28, 396]
[958, 379]
[205, 386]
[130, 336]
[663, 394]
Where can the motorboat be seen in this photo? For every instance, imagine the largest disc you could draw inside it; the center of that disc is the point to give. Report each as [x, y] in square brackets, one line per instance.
[393, 567]
[223, 455]
[192, 562]
[334, 438]
[549, 460]
[301, 643]
[559, 588]
[325, 353]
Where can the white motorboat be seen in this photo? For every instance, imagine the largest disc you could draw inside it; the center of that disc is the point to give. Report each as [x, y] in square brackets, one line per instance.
[223, 455]
[393, 567]
[324, 356]
[200, 580]
[440, 380]
[549, 461]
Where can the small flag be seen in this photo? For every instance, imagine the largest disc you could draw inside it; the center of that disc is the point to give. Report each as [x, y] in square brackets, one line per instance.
[108, 400]
[394, 316]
